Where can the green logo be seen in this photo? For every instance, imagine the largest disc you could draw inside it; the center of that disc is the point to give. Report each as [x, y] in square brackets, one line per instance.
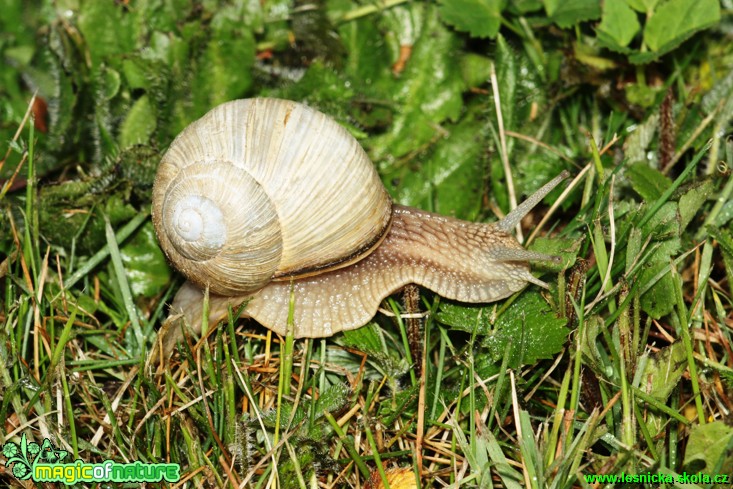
[44, 463]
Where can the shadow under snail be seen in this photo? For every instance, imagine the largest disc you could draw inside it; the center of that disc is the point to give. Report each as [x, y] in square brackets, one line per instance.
[261, 198]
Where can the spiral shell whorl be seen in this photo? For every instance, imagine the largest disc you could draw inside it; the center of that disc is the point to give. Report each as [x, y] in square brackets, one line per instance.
[199, 222]
[219, 227]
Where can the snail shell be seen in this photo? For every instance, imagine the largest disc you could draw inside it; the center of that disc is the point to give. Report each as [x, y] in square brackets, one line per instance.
[267, 201]
[232, 200]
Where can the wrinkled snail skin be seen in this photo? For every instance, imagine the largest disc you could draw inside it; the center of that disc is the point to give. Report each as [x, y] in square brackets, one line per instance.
[336, 197]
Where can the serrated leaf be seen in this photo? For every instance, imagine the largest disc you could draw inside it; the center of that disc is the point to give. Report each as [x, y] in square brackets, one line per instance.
[480, 18]
[618, 25]
[640, 58]
[331, 400]
[676, 20]
[649, 183]
[530, 328]
[368, 339]
[566, 13]
[710, 449]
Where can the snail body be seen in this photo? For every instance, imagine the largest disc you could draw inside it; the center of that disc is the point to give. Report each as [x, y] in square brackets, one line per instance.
[263, 199]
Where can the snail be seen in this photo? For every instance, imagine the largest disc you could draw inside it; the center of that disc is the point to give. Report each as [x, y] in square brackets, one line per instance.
[265, 199]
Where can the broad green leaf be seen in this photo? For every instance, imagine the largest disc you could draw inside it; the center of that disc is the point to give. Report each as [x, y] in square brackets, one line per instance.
[676, 20]
[58, 87]
[566, 13]
[367, 339]
[531, 329]
[507, 76]
[618, 25]
[404, 400]
[466, 317]
[522, 94]
[480, 18]
[710, 449]
[665, 223]
[139, 124]
[647, 182]
[110, 83]
[321, 87]
[332, 399]
[145, 265]
[659, 300]
[693, 200]
[663, 371]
